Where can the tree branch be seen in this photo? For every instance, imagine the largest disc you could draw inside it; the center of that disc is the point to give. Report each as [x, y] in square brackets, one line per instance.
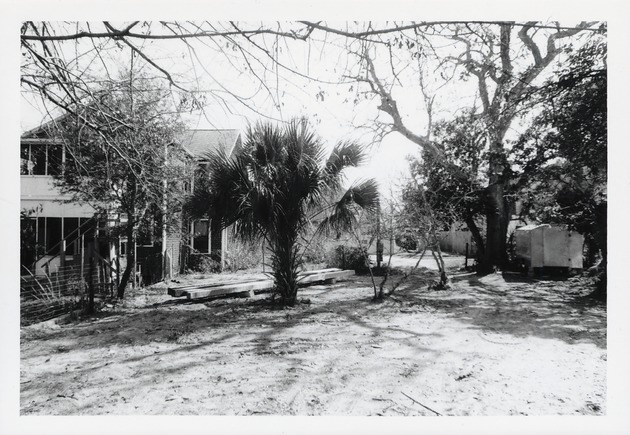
[389, 106]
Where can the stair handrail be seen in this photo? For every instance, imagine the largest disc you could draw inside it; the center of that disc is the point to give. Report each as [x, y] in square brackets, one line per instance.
[63, 239]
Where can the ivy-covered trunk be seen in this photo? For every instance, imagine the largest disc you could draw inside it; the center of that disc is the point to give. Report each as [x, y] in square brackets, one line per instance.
[131, 259]
[497, 210]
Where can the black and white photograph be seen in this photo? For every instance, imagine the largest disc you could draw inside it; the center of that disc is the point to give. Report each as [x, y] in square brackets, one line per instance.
[330, 218]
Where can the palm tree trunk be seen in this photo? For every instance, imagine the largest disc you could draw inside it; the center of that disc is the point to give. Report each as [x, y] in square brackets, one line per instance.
[285, 264]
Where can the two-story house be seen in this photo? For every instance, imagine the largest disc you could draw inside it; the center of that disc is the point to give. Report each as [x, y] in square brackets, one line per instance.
[62, 230]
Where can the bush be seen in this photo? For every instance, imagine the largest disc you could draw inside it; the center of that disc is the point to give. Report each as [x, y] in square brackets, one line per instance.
[203, 263]
[242, 256]
[407, 242]
[318, 251]
[349, 257]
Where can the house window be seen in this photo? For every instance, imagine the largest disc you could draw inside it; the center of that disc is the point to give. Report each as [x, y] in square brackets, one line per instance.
[37, 159]
[86, 230]
[200, 174]
[25, 159]
[200, 236]
[70, 233]
[41, 232]
[146, 231]
[55, 159]
[50, 230]
[28, 240]
[53, 234]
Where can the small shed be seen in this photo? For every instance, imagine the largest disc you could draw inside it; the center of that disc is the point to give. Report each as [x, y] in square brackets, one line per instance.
[544, 245]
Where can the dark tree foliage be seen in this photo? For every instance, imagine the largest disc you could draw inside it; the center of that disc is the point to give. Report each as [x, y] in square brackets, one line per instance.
[453, 186]
[564, 156]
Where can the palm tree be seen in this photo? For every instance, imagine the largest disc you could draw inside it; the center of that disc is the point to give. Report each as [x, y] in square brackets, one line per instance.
[273, 187]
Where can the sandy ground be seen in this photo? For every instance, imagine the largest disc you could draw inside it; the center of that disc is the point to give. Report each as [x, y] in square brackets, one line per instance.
[491, 346]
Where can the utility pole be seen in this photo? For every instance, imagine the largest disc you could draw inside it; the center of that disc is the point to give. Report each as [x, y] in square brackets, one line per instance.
[379, 242]
[164, 233]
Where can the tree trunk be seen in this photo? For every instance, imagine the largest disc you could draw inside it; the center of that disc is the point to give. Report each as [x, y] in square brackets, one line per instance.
[441, 266]
[600, 239]
[131, 260]
[496, 207]
[90, 307]
[477, 237]
[496, 230]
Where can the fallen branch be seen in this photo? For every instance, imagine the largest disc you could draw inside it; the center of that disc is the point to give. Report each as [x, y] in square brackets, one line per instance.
[426, 407]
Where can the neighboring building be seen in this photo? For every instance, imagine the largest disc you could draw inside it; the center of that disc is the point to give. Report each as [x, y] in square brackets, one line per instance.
[458, 240]
[64, 230]
[50, 216]
[202, 237]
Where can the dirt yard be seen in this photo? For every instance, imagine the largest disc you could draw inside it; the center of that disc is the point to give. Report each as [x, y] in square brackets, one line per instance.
[490, 346]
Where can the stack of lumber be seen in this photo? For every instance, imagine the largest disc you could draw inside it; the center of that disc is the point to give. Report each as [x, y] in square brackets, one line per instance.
[327, 276]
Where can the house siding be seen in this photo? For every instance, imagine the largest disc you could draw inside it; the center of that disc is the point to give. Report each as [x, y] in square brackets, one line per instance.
[173, 252]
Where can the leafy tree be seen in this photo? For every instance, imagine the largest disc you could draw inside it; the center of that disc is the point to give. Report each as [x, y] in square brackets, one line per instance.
[453, 187]
[273, 187]
[116, 157]
[564, 155]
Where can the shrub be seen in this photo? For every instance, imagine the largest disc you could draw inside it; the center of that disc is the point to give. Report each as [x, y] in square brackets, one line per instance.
[349, 257]
[407, 241]
[201, 263]
[241, 256]
[318, 251]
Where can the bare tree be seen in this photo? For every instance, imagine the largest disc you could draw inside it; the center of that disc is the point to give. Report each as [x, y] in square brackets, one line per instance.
[503, 58]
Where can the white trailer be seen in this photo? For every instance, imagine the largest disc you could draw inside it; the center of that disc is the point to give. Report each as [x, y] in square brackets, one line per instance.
[539, 246]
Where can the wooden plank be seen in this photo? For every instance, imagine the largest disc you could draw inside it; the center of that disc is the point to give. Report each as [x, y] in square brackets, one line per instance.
[179, 290]
[229, 288]
[176, 292]
[310, 272]
[303, 279]
[210, 285]
[250, 286]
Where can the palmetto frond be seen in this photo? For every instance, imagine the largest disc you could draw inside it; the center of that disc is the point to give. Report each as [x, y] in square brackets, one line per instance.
[362, 195]
[344, 155]
[365, 194]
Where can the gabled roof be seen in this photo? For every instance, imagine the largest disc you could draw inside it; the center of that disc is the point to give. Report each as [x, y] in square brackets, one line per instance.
[43, 131]
[197, 143]
[201, 142]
